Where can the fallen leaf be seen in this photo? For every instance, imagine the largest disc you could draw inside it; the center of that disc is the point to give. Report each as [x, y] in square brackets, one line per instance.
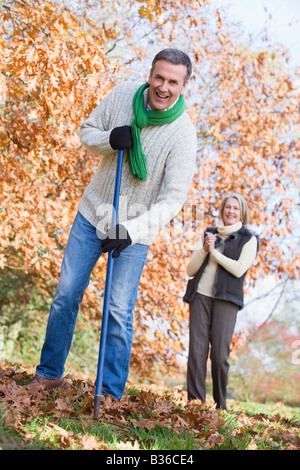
[90, 443]
[143, 423]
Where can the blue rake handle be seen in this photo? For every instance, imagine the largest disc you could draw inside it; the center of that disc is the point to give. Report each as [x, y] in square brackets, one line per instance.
[99, 381]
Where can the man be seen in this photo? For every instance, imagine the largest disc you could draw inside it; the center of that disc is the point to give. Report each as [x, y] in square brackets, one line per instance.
[150, 122]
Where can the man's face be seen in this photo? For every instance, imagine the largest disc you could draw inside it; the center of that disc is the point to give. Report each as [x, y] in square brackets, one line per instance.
[166, 82]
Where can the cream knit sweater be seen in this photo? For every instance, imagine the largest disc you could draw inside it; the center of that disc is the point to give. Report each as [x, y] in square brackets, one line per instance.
[170, 150]
[235, 267]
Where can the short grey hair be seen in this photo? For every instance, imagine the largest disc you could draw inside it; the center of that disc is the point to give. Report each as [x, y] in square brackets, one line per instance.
[242, 203]
[175, 56]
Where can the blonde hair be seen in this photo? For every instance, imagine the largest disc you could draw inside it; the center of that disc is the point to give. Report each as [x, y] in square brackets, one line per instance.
[242, 203]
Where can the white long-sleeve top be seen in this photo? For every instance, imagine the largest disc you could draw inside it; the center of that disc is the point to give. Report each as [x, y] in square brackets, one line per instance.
[235, 267]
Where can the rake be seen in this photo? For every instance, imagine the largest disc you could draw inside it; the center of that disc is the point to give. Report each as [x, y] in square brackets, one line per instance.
[100, 369]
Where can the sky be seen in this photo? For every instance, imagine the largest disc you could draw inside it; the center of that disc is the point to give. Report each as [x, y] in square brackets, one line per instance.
[283, 26]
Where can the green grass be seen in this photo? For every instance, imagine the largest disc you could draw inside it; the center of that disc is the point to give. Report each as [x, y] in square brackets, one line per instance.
[146, 418]
[245, 426]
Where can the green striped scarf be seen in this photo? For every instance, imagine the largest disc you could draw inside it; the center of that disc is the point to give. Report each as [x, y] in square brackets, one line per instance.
[142, 118]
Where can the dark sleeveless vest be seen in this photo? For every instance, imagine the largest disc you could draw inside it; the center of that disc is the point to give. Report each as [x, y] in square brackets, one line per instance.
[226, 286]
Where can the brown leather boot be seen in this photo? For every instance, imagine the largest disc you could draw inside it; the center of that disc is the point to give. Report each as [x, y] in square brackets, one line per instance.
[41, 384]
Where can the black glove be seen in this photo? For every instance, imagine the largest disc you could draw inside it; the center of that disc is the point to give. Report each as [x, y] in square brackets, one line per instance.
[121, 138]
[117, 239]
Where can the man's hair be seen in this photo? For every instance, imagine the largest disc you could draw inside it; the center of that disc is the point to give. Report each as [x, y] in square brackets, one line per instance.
[175, 56]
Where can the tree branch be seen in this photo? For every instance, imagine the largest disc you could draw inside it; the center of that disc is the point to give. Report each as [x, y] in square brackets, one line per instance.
[277, 302]
[267, 293]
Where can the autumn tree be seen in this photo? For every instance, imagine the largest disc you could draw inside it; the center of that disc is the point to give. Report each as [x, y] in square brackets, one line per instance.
[270, 368]
[57, 62]
[48, 61]
[244, 102]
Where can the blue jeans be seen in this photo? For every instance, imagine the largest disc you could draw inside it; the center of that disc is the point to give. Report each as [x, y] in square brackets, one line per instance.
[82, 252]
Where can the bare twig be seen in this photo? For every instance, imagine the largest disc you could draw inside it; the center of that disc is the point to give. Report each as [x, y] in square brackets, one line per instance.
[277, 302]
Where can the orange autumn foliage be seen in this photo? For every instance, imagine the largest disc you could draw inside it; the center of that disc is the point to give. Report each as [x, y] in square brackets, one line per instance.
[56, 65]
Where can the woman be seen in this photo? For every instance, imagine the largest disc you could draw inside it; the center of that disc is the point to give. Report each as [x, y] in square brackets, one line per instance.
[219, 266]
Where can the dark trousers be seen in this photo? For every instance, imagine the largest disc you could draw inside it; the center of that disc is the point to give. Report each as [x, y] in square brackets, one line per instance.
[212, 321]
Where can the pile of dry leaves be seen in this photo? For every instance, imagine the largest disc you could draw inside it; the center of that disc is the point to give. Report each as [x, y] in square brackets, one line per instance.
[151, 406]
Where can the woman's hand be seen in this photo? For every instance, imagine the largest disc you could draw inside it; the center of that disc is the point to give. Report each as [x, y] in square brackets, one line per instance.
[209, 242]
